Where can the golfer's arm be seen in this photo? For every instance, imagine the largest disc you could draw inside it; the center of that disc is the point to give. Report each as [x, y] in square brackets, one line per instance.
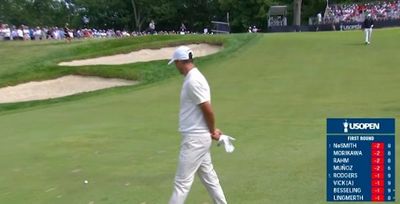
[208, 115]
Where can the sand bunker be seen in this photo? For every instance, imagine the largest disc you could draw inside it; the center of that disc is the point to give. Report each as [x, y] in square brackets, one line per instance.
[64, 86]
[144, 55]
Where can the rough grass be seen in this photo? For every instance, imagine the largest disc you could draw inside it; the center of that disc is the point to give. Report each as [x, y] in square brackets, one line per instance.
[36, 61]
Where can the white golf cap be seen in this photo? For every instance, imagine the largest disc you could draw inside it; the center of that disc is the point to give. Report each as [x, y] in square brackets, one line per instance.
[181, 53]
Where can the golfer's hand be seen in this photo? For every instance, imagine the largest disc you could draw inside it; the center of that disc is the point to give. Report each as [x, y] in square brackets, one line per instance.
[216, 134]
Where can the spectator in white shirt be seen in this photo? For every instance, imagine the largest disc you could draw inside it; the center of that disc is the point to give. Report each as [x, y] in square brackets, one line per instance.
[25, 31]
[20, 34]
[38, 33]
[7, 32]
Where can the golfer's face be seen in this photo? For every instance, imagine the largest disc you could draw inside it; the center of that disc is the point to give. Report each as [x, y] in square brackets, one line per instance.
[179, 66]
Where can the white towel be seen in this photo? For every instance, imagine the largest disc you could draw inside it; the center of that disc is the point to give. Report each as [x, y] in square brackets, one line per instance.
[226, 141]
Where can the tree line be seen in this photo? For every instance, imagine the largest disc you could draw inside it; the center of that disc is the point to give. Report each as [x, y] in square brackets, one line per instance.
[167, 14]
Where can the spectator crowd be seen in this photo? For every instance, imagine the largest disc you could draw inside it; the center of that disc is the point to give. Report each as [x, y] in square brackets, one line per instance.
[10, 32]
[23, 32]
[356, 12]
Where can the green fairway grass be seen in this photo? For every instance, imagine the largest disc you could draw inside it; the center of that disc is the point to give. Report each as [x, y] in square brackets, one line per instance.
[272, 92]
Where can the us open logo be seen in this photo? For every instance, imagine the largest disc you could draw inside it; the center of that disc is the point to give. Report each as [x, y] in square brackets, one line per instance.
[359, 126]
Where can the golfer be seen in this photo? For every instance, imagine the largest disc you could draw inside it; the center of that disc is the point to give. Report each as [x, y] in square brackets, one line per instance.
[197, 127]
[368, 25]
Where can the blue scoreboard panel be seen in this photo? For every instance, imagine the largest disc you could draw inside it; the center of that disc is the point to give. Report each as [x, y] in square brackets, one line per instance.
[361, 159]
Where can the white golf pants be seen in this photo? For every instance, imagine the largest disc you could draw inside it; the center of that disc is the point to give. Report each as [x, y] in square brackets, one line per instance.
[368, 34]
[194, 157]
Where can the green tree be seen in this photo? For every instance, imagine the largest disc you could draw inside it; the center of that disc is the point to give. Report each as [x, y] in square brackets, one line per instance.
[46, 12]
[198, 14]
[143, 11]
[29, 12]
[104, 14]
[245, 13]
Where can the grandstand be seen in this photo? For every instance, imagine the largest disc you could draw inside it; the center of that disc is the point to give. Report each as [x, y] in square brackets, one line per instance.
[355, 12]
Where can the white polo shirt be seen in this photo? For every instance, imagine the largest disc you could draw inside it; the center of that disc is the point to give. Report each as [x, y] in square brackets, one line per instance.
[195, 90]
[20, 33]
[7, 32]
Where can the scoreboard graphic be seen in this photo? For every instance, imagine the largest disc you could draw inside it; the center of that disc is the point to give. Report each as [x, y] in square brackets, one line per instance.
[361, 159]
